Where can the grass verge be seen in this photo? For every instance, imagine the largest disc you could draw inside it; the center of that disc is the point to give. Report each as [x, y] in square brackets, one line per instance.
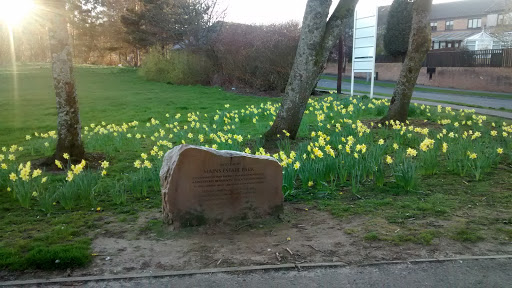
[429, 90]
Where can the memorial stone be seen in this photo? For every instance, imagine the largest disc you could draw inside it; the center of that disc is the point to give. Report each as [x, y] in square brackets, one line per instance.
[203, 185]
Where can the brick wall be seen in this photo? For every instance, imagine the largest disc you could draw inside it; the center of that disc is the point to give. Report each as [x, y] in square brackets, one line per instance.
[460, 24]
[481, 79]
[441, 25]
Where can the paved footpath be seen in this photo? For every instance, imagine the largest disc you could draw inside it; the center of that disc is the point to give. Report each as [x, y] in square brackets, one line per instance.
[471, 100]
[454, 273]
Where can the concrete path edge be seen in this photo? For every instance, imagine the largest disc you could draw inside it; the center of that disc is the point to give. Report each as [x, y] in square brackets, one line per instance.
[237, 269]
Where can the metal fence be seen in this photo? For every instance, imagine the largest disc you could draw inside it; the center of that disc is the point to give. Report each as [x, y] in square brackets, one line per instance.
[480, 58]
[389, 59]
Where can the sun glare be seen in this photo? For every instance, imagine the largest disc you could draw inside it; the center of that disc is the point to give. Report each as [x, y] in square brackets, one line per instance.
[13, 12]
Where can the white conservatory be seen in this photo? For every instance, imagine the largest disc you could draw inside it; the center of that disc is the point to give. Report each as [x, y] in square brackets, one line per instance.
[482, 41]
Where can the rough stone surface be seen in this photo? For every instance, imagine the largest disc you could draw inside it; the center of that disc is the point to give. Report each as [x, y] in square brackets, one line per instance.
[202, 185]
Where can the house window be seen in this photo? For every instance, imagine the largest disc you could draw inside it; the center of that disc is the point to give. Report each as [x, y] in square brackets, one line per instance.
[449, 25]
[501, 19]
[442, 45]
[504, 19]
[474, 23]
[449, 44]
[433, 26]
[436, 44]
[471, 45]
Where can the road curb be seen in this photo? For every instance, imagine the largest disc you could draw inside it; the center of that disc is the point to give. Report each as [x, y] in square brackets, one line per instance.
[240, 269]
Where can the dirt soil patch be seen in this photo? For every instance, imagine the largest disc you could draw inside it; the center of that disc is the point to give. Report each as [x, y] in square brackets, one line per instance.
[303, 235]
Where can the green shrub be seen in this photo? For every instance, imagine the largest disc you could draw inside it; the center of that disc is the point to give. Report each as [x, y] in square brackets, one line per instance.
[398, 28]
[177, 67]
[256, 56]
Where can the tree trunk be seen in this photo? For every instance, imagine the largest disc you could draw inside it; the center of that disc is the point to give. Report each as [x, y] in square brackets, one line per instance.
[340, 66]
[318, 37]
[68, 122]
[419, 45]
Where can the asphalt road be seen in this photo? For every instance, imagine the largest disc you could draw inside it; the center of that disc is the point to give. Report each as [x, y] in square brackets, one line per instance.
[458, 273]
[471, 100]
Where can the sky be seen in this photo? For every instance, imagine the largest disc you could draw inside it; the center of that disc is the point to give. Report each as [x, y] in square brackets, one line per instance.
[276, 11]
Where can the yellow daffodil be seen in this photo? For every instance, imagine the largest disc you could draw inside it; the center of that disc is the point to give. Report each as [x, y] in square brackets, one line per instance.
[104, 164]
[36, 173]
[58, 163]
[411, 152]
[427, 144]
[69, 176]
[13, 148]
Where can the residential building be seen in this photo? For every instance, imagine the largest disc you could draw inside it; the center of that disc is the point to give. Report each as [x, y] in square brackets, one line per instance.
[454, 22]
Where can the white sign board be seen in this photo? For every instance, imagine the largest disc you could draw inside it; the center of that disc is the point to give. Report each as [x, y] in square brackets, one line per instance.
[365, 41]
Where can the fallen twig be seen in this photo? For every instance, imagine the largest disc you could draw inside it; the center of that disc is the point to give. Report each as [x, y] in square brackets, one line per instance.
[219, 262]
[315, 248]
[289, 251]
[278, 257]
[240, 227]
[211, 262]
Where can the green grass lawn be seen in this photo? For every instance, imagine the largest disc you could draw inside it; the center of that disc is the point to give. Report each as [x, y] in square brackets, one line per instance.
[410, 194]
[430, 90]
[113, 95]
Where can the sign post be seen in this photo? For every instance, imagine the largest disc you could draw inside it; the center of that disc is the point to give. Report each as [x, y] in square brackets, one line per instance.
[365, 42]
